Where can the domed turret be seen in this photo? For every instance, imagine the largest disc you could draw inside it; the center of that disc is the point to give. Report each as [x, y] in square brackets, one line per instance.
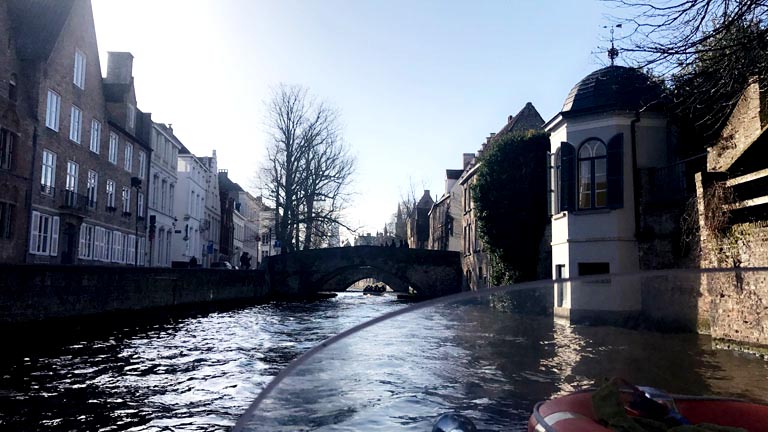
[613, 88]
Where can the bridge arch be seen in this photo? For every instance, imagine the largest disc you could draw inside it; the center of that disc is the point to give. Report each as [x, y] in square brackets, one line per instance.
[342, 278]
[303, 273]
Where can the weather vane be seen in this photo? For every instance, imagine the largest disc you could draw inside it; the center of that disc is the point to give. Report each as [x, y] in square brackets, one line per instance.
[613, 52]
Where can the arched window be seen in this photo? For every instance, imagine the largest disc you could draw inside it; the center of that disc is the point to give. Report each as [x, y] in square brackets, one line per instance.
[593, 178]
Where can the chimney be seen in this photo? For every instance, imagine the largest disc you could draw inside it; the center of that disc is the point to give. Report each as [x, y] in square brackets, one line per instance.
[510, 118]
[467, 159]
[170, 127]
[119, 68]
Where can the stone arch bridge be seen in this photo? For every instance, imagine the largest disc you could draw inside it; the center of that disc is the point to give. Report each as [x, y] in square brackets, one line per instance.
[304, 273]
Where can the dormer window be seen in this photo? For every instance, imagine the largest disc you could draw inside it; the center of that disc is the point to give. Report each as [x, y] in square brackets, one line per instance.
[131, 120]
[593, 178]
[79, 72]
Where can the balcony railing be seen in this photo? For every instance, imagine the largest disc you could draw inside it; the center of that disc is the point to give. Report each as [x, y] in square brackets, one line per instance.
[47, 190]
[75, 201]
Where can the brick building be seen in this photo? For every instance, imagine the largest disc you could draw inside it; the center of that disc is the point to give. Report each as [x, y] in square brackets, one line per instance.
[83, 152]
[16, 135]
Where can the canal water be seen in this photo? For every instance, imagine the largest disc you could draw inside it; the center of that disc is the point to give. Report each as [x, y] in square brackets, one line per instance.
[200, 372]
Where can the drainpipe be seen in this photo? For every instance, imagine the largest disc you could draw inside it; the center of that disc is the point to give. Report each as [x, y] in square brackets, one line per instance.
[635, 172]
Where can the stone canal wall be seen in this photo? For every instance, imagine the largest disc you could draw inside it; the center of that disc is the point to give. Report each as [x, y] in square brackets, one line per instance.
[36, 292]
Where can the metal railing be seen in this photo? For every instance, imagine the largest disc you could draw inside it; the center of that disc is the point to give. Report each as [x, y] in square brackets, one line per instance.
[74, 200]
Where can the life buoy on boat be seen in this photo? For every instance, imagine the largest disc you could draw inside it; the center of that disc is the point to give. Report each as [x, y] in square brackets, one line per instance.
[574, 413]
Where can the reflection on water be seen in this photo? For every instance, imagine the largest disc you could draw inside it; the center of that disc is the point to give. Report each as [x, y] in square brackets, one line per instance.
[200, 372]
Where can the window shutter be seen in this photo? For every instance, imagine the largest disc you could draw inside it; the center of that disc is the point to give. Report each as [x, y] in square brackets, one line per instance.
[55, 236]
[34, 237]
[81, 245]
[567, 177]
[615, 171]
[550, 189]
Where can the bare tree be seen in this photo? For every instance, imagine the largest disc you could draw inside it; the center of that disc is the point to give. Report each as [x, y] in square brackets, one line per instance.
[308, 169]
[709, 50]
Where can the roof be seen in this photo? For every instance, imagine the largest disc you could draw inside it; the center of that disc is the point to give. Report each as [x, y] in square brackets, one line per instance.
[37, 25]
[115, 92]
[527, 119]
[613, 88]
[426, 201]
[227, 185]
[453, 174]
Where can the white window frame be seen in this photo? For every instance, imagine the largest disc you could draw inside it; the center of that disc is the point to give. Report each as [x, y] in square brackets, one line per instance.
[126, 199]
[131, 116]
[114, 143]
[111, 193]
[142, 164]
[79, 70]
[73, 174]
[128, 153]
[140, 203]
[95, 136]
[93, 188]
[48, 174]
[44, 234]
[52, 110]
[75, 124]
[118, 255]
[87, 240]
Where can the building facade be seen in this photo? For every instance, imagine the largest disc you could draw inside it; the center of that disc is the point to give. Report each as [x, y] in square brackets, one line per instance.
[189, 205]
[84, 200]
[162, 194]
[211, 226]
[609, 130]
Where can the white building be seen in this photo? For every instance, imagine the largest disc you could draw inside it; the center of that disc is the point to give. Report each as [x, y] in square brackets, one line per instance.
[267, 230]
[189, 206]
[609, 128]
[162, 191]
[238, 221]
[211, 225]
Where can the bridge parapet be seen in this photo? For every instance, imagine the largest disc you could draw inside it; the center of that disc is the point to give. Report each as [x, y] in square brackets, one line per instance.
[429, 273]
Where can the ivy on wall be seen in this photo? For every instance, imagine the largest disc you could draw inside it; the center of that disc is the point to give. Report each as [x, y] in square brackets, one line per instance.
[510, 196]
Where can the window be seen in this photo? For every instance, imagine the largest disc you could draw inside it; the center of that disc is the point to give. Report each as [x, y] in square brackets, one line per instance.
[155, 190]
[44, 238]
[85, 251]
[48, 175]
[128, 162]
[163, 200]
[117, 247]
[110, 194]
[79, 75]
[7, 142]
[113, 142]
[93, 184]
[140, 203]
[131, 120]
[52, 110]
[558, 180]
[126, 200]
[170, 198]
[142, 164]
[72, 174]
[593, 179]
[6, 219]
[95, 136]
[594, 268]
[106, 253]
[75, 124]
[130, 249]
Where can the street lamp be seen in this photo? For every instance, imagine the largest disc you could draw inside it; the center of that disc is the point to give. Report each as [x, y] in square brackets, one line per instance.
[136, 184]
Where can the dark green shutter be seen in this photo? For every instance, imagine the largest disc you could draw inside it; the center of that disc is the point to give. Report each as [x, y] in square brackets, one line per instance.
[615, 171]
[567, 177]
[550, 191]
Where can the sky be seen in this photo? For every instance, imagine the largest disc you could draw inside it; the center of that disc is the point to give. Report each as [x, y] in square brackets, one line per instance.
[417, 83]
